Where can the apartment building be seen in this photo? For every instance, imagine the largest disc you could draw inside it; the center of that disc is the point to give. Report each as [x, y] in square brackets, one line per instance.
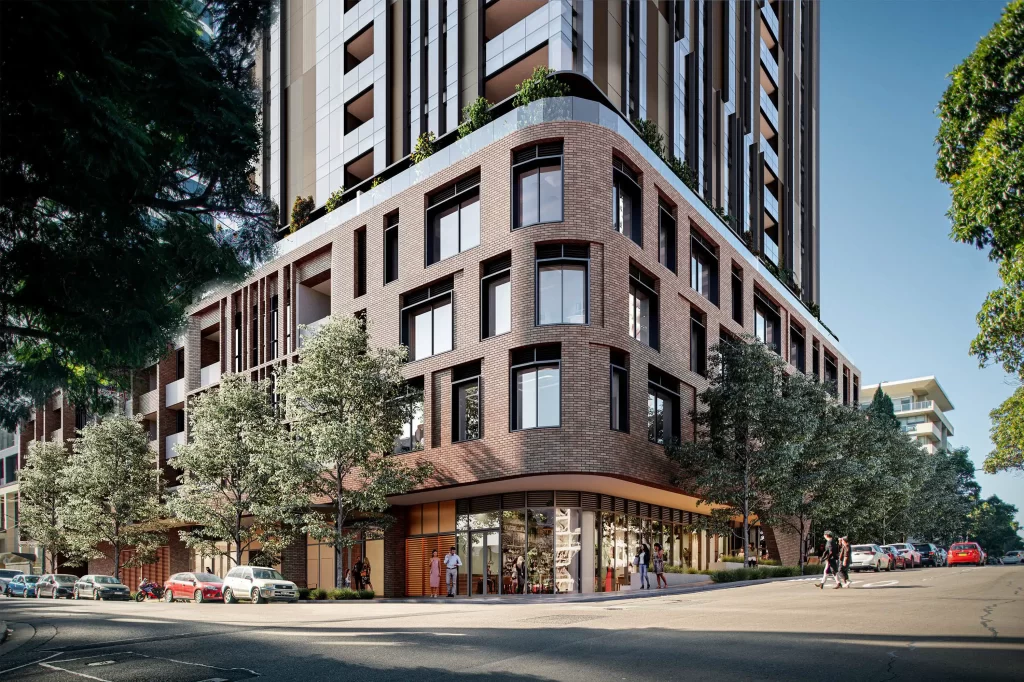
[557, 284]
[921, 406]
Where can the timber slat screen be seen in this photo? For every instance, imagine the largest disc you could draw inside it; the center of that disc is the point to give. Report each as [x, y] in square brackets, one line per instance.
[417, 562]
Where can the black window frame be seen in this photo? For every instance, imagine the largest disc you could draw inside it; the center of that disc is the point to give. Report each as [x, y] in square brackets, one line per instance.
[567, 254]
[764, 307]
[179, 363]
[846, 385]
[179, 421]
[704, 252]
[274, 326]
[698, 340]
[533, 357]
[833, 380]
[414, 393]
[666, 388]
[467, 374]
[255, 349]
[737, 295]
[390, 248]
[625, 179]
[359, 262]
[816, 359]
[530, 158]
[492, 271]
[618, 366]
[668, 236]
[454, 194]
[419, 298]
[800, 362]
[640, 280]
[237, 330]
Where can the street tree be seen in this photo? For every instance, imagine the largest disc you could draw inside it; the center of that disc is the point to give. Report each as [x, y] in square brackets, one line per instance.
[993, 526]
[43, 497]
[344, 403]
[750, 423]
[127, 152]
[113, 494]
[237, 487]
[981, 157]
[946, 497]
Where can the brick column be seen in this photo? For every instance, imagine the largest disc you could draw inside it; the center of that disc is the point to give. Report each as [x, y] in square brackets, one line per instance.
[394, 554]
[293, 561]
[783, 544]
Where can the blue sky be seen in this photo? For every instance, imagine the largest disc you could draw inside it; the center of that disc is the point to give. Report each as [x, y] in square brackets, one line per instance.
[899, 293]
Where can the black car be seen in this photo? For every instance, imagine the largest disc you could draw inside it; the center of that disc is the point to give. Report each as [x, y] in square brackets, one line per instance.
[101, 587]
[56, 586]
[930, 555]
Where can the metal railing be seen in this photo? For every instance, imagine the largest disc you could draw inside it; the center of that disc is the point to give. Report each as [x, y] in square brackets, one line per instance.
[770, 19]
[770, 157]
[769, 109]
[908, 407]
[770, 64]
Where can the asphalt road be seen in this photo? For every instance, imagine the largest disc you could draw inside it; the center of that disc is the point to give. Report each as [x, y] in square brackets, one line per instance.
[925, 624]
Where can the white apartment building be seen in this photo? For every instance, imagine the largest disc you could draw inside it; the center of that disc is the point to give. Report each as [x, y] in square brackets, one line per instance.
[921, 406]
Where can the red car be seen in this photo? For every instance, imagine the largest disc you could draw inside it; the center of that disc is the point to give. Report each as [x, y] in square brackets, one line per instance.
[896, 559]
[198, 587]
[969, 553]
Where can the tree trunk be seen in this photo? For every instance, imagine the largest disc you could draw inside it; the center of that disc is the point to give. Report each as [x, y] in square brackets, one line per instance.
[339, 522]
[746, 517]
[803, 545]
[238, 538]
[117, 561]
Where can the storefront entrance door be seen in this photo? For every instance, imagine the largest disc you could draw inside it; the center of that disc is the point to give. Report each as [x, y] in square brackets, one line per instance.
[483, 562]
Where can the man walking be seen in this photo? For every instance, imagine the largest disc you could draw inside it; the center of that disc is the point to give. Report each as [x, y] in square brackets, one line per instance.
[451, 573]
[828, 557]
[843, 576]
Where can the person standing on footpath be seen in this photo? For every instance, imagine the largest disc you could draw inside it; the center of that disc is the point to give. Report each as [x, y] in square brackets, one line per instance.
[828, 557]
[435, 573]
[451, 573]
[659, 564]
[843, 576]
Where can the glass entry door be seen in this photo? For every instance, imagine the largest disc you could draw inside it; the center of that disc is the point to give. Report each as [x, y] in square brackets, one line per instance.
[484, 556]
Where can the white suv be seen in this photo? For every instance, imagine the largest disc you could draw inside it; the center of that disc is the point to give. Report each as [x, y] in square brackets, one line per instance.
[258, 585]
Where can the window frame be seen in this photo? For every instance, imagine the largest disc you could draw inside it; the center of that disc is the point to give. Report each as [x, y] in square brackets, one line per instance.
[699, 364]
[657, 388]
[453, 195]
[737, 295]
[391, 235]
[762, 301]
[486, 279]
[274, 324]
[801, 364]
[475, 379]
[636, 280]
[543, 155]
[359, 262]
[622, 173]
[535, 364]
[699, 244]
[445, 291]
[538, 262]
[618, 365]
[413, 387]
[665, 211]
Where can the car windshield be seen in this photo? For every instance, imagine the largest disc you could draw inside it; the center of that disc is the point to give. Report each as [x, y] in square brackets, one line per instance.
[7, 573]
[106, 580]
[66, 579]
[962, 547]
[32, 578]
[862, 548]
[208, 578]
[922, 546]
[266, 574]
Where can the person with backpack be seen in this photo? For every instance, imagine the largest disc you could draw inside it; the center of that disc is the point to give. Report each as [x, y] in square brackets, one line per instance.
[828, 557]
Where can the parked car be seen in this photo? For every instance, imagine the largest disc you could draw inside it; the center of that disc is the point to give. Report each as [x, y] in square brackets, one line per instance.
[198, 587]
[101, 587]
[258, 585]
[929, 554]
[6, 576]
[869, 557]
[1013, 558]
[993, 560]
[945, 556]
[897, 559]
[22, 586]
[969, 553]
[56, 586]
[912, 556]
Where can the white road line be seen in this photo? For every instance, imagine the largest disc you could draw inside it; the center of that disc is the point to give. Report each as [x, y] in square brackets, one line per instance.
[72, 672]
[883, 583]
[25, 665]
[364, 643]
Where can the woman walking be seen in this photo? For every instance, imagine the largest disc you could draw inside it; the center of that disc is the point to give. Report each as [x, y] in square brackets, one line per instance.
[365, 577]
[643, 560]
[843, 576]
[659, 565]
[435, 573]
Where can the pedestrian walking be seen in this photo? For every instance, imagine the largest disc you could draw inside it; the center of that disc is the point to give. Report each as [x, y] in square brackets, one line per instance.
[843, 576]
[659, 565]
[643, 562]
[365, 576]
[828, 557]
[357, 575]
[435, 573]
[451, 574]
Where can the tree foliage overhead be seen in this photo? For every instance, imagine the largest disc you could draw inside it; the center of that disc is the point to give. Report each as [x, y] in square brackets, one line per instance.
[43, 494]
[981, 157]
[127, 156]
[344, 403]
[993, 526]
[237, 488]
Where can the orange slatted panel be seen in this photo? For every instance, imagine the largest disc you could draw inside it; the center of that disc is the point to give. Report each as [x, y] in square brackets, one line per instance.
[414, 567]
[158, 571]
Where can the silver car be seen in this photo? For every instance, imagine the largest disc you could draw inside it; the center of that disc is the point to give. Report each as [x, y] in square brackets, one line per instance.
[1013, 558]
[100, 587]
[869, 558]
[6, 576]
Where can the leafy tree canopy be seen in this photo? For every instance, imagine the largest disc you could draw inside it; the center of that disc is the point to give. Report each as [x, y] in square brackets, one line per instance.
[994, 528]
[129, 135]
[43, 495]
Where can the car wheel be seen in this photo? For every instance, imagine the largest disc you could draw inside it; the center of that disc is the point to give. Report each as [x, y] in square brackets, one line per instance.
[229, 596]
[168, 596]
[197, 596]
[876, 567]
[74, 595]
[96, 595]
[257, 598]
[53, 595]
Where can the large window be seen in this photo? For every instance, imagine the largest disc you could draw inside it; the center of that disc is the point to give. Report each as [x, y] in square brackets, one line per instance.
[466, 414]
[737, 295]
[496, 296]
[453, 219]
[179, 355]
[536, 387]
[831, 372]
[427, 320]
[816, 360]
[562, 275]
[391, 247]
[619, 392]
[797, 348]
[698, 343]
[703, 267]
[627, 216]
[666, 236]
[662, 407]
[412, 434]
[643, 307]
[359, 271]
[274, 326]
[537, 183]
[767, 322]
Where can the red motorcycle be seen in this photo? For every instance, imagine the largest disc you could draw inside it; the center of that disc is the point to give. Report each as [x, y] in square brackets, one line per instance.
[148, 590]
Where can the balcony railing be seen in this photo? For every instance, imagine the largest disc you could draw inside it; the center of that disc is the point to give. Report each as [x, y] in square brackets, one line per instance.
[770, 64]
[309, 330]
[174, 392]
[770, 19]
[771, 249]
[171, 444]
[57, 436]
[771, 112]
[148, 402]
[209, 374]
[910, 407]
[771, 204]
[770, 157]
[518, 39]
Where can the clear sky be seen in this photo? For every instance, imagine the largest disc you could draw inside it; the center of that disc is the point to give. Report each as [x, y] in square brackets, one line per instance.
[899, 293]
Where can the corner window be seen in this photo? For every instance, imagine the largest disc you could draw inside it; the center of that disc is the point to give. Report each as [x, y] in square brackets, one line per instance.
[662, 407]
[698, 343]
[737, 295]
[767, 323]
[703, 267]
[453, 219]
[619, 393]
[562, 275]
[797, 348]
[412, 434]
[496, 296]
[643, 307]
[427, 320]
[627, 218]
[536, 387]
[666, 236]
[537, 183]
[466, 414]
[391, 247]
